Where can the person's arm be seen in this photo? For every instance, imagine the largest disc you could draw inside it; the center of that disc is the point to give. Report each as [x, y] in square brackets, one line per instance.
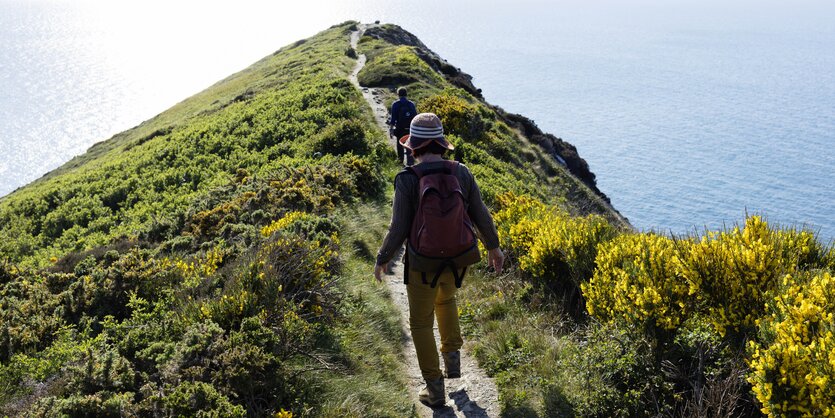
[393, 111]
[480, 216]
[402, 214]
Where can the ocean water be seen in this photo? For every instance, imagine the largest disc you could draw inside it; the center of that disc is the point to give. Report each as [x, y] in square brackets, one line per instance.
[691, 114]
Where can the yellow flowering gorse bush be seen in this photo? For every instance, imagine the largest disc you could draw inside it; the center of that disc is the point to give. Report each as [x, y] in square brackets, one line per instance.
[460, 117]
[550, 245]
[793, 366]
[199, 268]
[636, 281]
[520, 219]
[735, 270]
[566, 247]
[283, 222]
[733, 281]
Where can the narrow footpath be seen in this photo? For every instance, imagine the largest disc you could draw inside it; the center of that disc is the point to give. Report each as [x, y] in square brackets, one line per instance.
[474, 394]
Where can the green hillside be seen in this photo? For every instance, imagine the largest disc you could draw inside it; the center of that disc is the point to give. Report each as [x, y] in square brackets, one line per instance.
[198, 262]
[216, 261]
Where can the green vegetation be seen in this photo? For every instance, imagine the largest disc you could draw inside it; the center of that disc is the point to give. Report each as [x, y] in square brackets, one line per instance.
[215, 261]
[196, 266]
[271, 120]
[394, 66]
[734, 322]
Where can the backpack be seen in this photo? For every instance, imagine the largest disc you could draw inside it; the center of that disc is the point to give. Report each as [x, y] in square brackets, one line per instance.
[405, 113]
[442, 234]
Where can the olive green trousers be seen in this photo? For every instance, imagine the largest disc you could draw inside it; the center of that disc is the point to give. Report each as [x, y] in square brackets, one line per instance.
[424, 304]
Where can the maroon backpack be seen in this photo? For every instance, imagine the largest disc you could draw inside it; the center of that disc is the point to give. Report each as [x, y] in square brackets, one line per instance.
[442, 234]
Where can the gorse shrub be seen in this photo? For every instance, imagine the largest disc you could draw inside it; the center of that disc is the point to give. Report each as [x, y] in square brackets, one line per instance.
[396, 66]
[27, 322]
[550, 244]
[460, 117]
[610, 373]
[290, 272]
[518, 220]
[565, 248]
[201, 399]
[341, 138]
[728, 276]
[693, 302]
[736, 271]
[636, 282]
[557, 251]
[305, 224]
[793, 361]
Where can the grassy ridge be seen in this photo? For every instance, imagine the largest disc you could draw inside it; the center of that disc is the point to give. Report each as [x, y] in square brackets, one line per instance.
[211, 259]
[265, 118]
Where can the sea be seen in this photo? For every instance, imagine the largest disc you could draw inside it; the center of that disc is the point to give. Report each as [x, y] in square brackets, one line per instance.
[692, 114]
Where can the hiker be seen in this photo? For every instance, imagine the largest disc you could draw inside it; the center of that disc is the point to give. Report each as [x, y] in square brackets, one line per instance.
[433, 291]
[402, 112]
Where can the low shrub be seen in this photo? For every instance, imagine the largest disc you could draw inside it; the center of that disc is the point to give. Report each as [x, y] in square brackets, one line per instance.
[199, 399]
[460, 117]
[793, 361]
[341, 138]
[736, 270]
[396, 66]
[556, 250]
[566, 249]
[610, 372]
[636, 282]
[105, 405]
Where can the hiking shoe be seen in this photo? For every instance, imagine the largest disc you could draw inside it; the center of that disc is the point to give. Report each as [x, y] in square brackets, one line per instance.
[433, 394]
[452, 364]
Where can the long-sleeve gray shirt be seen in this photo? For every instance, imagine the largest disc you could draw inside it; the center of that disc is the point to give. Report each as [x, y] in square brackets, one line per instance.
[406, 203]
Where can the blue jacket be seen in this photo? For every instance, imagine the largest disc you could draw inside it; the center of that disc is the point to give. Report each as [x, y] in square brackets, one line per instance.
[403, 111]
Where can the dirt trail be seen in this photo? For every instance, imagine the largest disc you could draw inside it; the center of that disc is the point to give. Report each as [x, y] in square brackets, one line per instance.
[374, 96]
[474, 394]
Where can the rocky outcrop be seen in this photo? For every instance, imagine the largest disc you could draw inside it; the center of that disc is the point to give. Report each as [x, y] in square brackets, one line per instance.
[396, 35]
[561, 150]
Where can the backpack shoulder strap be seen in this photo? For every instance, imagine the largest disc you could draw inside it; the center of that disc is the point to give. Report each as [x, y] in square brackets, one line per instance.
[449, 167]
[453, 167]
[416, 170]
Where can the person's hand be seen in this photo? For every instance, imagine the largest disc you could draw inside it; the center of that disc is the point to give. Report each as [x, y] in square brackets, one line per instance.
[495, 259]
[380, 270]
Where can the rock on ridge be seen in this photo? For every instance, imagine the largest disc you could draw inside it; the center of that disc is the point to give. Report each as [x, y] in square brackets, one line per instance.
[396, 35]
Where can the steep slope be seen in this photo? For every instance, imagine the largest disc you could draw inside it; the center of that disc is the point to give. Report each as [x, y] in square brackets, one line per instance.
[204, 262]
[274, 115]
